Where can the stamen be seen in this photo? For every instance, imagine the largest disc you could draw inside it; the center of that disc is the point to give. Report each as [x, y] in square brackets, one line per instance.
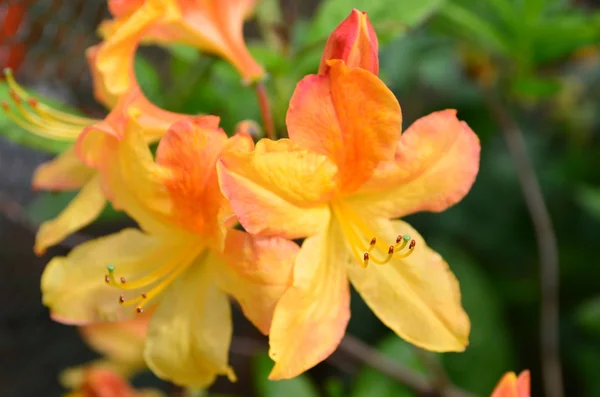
[156, 280]
[39, 118]
[355, 229]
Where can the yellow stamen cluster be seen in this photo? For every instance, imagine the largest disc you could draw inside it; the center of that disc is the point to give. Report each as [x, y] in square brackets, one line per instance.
[41, 119]
[151, 284]
[356, 232]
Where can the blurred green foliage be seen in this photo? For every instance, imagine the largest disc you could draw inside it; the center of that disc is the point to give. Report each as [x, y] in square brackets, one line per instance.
[542, 58]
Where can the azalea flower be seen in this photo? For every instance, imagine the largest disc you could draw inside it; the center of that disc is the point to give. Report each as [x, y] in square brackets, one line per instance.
[340, 179]
[213, 26]
[511, 386]
[121, 345]
[185, 262]
[78, 167]
[103, 382]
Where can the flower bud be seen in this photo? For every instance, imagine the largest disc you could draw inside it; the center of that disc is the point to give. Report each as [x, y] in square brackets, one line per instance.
[354, 41]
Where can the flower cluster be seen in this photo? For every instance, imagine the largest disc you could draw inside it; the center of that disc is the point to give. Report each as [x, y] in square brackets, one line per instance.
[339, 182]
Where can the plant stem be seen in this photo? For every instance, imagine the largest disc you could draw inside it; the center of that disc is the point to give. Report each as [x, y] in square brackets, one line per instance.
[265, 110]
[366, 354]
[547, 248]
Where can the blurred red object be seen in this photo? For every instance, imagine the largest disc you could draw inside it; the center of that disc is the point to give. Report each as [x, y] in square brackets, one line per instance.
[12, 52]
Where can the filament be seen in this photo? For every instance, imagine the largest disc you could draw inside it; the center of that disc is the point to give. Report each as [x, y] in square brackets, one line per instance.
[41, 119]
[356, 232]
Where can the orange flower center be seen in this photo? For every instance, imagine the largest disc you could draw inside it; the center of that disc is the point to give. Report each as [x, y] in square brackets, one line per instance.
[358, 233]
[41, 119]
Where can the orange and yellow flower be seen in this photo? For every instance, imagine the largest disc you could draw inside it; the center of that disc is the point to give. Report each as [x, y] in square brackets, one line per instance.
[512, 386]
[103, 382]
[213, 26]
[345, 172]
[186, 261]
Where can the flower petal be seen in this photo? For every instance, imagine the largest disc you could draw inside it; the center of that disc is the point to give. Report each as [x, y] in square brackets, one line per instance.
[189, 335]
[348, 115]
[114, 59]
[524, 384]
[65, 172]
[354, 41]
[507, 387]
[190, 150]
[418, 297]
[80, 212]
[121, 341]
[216, 26]
[74, 288]
[437, 160]
[279, 189]
[310, 319]
[256, 272]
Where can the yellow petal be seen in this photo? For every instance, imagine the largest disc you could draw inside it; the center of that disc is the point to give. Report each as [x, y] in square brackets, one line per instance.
[189, 335]
[115, 58]
[437, 160]
[279, 189]
[74, 288]
[310, 319]
[418, 297]
[256, 272]
[80, 212]
[121, 341]
[65, 172]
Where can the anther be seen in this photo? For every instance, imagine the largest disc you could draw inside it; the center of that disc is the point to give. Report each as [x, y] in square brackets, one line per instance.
[32, 102]
[123, 281]
[5, 106]
[121, 299]
[412, 244]
[399, 238]
[139, 309]
[143, 295]
[107, 279]
[391, 250]
[365, 259]
[14, 96]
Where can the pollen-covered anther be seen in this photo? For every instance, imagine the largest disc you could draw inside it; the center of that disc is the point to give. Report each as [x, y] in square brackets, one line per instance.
[121, 299]
[393, 250]
[123, 281]
[139, 310]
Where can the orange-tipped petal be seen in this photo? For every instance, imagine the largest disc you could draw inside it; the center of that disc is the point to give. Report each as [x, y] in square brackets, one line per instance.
[102, 382]
[66, 172]
[216, 26]
[437, 160]
[120, 8]
[190, 150]
[348, 115]
[354, 41]
[279, 189]
[256, 272]
[511, 386]
[310, 319]
[524, 384]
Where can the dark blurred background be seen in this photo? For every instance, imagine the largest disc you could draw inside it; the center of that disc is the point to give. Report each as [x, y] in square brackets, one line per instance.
[534, 64]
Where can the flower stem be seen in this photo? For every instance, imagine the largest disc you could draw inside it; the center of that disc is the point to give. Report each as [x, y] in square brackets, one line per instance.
[547, 247]
[265, 110]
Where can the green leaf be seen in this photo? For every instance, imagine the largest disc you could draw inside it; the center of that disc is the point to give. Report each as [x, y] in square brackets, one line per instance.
[370, 382]
[588, 315]
[300, 386]
[475, 28]
[48, 205]
[531, 86]
[148, 79]
[23, 137]
[490, 350]
[389, 17]
[589, 198]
